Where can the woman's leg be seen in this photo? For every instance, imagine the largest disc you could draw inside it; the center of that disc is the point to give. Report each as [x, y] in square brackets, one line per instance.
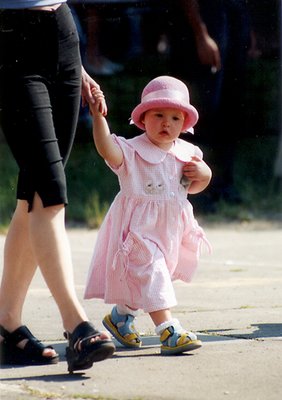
[27, 234]
[86, 344]
[54, 259]
[19, 268]
[32, 116]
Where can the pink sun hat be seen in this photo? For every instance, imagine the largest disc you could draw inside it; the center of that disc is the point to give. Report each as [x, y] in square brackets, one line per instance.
[166, 91]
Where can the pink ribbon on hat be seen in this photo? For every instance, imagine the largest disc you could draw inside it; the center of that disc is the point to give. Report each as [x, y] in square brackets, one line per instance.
[164, 93]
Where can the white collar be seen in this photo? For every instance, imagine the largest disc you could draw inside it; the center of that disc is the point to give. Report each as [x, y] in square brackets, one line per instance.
[153, 154]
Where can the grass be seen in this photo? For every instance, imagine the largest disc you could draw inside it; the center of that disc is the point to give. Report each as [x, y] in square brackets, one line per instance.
[38, 394]
[8, 183]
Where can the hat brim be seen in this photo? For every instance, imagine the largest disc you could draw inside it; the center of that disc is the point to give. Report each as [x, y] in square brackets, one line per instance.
[191, 114]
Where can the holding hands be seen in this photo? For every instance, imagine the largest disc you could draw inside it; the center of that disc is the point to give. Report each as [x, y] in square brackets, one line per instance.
[98, 104]
[91, 94]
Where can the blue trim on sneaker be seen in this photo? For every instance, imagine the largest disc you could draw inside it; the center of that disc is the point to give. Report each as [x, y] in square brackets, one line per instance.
[122, 328]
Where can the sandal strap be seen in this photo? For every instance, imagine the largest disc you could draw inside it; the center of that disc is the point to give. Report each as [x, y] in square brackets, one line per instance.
[131, 337]
[124, 325]
[173, 337]
[22, 333]
[33, 345]
[30, 354]
[81, 352]
[166, 334]
[83, 333]
[4, 333]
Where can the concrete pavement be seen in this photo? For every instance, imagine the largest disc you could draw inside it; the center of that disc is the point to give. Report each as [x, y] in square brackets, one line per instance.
[234, 304]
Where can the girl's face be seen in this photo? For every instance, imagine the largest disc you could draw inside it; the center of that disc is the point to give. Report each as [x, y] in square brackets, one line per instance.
[163, 126]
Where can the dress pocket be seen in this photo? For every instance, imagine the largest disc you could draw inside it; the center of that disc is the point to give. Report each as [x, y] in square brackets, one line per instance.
[133, 252]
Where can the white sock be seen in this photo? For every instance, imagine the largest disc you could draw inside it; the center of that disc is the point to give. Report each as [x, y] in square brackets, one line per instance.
[164, 325]
[124, 310]
[177, 327]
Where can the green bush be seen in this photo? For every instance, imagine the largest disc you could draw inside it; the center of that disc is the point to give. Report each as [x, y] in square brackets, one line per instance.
[91, 186]
[8, 184]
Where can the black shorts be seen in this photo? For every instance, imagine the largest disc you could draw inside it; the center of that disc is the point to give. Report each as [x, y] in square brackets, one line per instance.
[40, 87]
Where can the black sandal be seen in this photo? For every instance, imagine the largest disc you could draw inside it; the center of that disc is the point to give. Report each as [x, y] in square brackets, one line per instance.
[89, 352]
[31, 354]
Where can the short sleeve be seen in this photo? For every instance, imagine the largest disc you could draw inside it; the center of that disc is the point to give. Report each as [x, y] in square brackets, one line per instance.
[128, 155]
[198, 152]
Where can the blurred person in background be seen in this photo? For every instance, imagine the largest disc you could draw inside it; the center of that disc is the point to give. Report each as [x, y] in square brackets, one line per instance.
[108, 27]
[210, 42]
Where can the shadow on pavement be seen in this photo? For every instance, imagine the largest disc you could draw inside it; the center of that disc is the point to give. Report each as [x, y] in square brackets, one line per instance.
[259, 331]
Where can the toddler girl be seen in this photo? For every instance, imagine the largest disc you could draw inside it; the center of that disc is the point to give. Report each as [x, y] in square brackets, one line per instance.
[149, 236]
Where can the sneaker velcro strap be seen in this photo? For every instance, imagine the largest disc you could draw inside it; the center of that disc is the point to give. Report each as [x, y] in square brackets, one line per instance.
[183, 338]
[167, 333]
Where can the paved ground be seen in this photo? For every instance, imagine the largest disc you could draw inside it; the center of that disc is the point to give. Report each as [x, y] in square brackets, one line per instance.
[234, 303]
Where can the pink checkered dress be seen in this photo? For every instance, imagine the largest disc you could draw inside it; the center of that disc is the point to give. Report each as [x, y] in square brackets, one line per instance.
[149, 236]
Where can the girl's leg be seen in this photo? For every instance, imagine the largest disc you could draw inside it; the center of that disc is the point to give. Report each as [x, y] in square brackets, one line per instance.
[160, 316]
[174, 339]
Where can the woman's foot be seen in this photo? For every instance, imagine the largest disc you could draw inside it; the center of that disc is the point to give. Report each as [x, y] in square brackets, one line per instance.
[86, 346]
[20, 347]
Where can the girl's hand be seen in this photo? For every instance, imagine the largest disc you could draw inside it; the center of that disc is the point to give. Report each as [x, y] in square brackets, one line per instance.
[199, 173]
[87, 86]
[196, 169]
[96, 107]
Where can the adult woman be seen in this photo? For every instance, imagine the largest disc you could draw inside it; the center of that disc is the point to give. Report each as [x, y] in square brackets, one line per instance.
[40, 79]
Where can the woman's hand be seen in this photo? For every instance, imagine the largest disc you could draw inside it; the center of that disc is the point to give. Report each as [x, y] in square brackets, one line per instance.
[87, 93]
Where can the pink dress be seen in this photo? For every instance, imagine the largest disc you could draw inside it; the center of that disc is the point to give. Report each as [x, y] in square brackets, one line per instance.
[149, 236]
